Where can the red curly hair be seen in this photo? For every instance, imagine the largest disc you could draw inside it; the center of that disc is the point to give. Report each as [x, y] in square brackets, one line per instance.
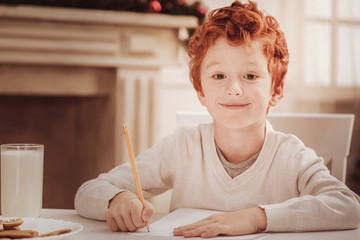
[239, 24]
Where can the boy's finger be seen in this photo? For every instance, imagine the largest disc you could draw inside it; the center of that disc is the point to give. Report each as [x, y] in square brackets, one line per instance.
[116, 223]
[182, 229]
[136, 216]
[213, 230]
[121, 224]
[130, 226]
[112, 224]
[147, 212]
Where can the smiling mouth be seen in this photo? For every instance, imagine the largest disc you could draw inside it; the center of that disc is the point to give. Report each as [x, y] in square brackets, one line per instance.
[235, 106]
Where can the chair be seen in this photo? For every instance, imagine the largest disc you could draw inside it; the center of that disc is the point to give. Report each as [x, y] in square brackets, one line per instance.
[328, 134]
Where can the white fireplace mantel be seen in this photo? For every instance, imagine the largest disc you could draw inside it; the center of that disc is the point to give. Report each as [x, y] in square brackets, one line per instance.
[64, 36]
[68, 52]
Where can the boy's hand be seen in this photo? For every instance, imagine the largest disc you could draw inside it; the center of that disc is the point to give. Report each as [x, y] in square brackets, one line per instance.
[126, 212]
[242, 222]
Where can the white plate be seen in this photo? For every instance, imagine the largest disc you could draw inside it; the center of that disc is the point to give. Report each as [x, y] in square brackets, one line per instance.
[45, 225]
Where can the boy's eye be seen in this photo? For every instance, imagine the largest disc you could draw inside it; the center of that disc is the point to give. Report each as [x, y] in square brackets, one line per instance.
[250, 76]
[219, 76]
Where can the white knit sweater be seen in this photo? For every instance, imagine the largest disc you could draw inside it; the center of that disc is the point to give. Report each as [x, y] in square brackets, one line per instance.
[288, 180]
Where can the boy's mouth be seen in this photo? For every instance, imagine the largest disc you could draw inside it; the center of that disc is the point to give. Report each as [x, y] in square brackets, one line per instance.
[235, 106]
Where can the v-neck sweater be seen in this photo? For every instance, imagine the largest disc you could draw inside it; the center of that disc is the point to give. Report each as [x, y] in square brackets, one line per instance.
[235, 169]
[288, 180]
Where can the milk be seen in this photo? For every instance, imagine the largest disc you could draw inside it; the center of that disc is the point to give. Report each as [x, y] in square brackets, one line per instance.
[21, 182]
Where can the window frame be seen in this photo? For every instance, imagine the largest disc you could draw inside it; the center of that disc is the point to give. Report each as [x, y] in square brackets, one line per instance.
[333, 91]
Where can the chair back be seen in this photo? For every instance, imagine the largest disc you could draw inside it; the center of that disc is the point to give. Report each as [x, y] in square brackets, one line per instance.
[328, 134]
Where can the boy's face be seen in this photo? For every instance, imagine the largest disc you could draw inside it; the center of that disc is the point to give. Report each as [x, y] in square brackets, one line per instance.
[236, 84]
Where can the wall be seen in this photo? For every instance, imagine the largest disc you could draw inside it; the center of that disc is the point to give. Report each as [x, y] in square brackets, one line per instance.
[70, 78]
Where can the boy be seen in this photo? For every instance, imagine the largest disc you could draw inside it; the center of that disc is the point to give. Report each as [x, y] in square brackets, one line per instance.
[264, 180]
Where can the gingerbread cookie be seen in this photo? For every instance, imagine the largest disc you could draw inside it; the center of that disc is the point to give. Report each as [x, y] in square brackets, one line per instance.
[12, 223]
[14, 234]
[57, 232]
[10, 229]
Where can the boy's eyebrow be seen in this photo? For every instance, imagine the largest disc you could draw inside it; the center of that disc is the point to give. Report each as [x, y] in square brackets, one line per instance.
[218, 63]
[212, 64]
[252, 63]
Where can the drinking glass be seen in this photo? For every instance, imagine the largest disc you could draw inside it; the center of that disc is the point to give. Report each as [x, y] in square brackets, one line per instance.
[21, 179]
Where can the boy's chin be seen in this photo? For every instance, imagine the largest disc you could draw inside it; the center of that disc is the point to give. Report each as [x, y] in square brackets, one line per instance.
[237, 124]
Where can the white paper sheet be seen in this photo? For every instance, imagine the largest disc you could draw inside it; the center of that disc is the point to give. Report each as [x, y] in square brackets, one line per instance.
[180, 217]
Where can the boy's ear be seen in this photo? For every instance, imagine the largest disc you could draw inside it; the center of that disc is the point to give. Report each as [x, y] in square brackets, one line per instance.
[201, 97]
[277, 95]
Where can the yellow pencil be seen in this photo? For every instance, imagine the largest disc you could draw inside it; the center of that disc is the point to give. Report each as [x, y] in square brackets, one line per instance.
[134, 169]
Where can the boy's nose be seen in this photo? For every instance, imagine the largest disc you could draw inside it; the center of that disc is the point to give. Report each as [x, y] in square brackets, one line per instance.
[234, 89]
[234, 93]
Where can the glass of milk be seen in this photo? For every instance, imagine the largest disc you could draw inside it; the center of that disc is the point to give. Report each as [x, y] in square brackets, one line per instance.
[21, 179]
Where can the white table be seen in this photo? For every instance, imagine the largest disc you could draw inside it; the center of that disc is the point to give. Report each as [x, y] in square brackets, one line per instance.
[93, 229]
[99, 230]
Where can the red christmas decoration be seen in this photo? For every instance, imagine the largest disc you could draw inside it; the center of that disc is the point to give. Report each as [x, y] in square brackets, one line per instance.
[200, 11]
[155, 6]
[172, 7]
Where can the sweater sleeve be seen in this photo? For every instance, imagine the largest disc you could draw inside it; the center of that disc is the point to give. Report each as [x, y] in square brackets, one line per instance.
[155, 167]
[324, 203]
